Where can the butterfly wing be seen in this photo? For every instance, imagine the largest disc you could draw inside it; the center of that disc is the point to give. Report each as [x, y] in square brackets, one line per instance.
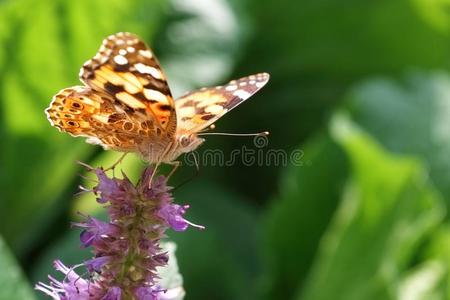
[199, 109]
[127, 70]
[81, 111]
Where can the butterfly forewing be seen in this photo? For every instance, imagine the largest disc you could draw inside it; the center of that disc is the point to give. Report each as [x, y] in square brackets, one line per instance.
[127, 70]
[199, 109]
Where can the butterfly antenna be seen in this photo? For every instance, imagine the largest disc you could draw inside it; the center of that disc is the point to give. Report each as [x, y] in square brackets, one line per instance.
[264, 133]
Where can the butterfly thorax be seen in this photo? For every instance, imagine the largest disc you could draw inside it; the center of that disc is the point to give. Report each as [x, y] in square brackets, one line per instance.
[157, 152]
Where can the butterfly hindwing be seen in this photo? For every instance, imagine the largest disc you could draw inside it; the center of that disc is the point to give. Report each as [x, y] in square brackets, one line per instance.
[199, 109]
[127, 70]
[81, 111]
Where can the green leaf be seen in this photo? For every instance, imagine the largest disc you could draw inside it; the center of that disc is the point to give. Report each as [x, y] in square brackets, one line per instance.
[438, 252]
[409, 116]
[298, 217]
[200, 43]
[12, 281]
[386, 211]
[423, 282]
[340, 38]
[314, 50]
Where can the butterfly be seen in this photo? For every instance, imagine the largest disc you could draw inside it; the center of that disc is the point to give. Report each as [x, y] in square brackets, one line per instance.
[126, 105]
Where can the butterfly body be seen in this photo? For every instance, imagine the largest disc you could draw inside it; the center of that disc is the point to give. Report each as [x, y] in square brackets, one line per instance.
[126, 104]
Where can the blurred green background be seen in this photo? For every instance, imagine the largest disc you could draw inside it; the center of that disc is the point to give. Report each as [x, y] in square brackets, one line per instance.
[361, 88]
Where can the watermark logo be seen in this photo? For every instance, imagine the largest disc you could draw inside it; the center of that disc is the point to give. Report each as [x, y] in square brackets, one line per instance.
[259, 155]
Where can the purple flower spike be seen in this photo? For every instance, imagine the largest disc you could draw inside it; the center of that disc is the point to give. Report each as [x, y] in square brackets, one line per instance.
[127, 252]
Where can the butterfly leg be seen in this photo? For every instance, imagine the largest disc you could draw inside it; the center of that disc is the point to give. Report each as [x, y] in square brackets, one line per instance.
[175, 165]
[153, 174]
[117, 162]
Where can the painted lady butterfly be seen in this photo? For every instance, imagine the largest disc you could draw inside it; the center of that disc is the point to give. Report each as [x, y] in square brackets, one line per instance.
[126, 104]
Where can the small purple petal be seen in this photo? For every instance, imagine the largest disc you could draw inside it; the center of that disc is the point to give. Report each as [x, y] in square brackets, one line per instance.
[161, 258]
[173, 215]
[108, 188]
[86, 238]
[96, 264]
[95, 230]
[114, 293]
[147, 293]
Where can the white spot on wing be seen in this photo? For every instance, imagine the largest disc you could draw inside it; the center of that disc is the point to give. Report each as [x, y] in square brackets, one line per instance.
[130, 49]
[149, 70]
[155, 95]
[120, 60]
[260, 84]
[186, 112]
[214, 109]
[146, 53]
[101, 118]
[242, 94]
[93, 140]
[231, 88]
[123, 52]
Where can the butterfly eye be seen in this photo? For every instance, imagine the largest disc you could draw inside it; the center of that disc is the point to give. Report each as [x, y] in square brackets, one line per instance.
[184, 140]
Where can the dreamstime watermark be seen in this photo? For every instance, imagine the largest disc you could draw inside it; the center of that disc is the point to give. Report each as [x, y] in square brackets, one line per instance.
[258, 156]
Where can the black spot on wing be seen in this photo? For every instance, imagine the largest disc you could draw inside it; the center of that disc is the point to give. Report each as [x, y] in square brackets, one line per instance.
[165, 107]
[158, 85]
[121, 68]
[207, 117]
[142, 97]
[112, 88]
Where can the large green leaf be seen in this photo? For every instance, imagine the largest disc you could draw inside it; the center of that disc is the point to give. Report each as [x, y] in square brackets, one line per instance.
[410, 116]
[200, 42]
[12, 281]
[426, 281]
[387, 210]
[349, 38]
[438, 253]
[300, 214]
[315, 49]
